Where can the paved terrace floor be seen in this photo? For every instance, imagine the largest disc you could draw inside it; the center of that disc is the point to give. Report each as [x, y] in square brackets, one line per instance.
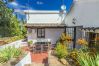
[41, 59]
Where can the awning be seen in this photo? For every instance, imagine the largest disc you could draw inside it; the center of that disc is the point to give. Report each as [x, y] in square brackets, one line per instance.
[45, 25]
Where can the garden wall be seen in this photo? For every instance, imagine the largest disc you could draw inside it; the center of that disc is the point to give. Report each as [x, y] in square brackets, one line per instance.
[25, 60]
[17, 44]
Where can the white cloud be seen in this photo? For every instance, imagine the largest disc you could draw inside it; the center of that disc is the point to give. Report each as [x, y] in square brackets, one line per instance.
[14, 3]
[39, 3]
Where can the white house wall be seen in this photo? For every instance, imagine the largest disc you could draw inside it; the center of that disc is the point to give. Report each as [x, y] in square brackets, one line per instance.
[51, 34]
[33, 35]
[86, 13]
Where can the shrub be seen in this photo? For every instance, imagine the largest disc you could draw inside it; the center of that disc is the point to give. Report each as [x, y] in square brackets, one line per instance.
[85, 59]
[82, 41]
[65, 38]
[61, 51]
[8, 53]
[11, 39]
[30, 42]
[73, 54]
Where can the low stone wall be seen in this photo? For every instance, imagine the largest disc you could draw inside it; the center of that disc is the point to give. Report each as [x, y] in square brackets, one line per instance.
[25, 60]
[16, 44]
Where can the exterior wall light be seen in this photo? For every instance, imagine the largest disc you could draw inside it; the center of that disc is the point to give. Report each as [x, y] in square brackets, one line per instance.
[74, 20]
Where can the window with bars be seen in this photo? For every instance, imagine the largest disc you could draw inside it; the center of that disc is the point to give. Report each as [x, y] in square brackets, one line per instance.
[70, 32]
[40, 33]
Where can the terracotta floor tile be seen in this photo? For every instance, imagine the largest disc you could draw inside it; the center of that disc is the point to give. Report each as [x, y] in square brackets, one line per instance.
[39, 57]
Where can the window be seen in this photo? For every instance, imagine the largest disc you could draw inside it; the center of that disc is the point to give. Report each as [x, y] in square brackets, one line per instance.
[40, 33]
[70, 32]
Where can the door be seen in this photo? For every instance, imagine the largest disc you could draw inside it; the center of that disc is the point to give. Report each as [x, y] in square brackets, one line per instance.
[92, 37]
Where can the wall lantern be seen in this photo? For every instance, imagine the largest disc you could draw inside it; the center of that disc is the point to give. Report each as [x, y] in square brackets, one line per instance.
[74, 20]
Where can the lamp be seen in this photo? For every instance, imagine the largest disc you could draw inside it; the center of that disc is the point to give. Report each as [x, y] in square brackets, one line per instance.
[74, 20]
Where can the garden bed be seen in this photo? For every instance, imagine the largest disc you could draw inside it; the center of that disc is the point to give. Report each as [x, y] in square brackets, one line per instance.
[12, 56]
[7, 40]
[84, 56]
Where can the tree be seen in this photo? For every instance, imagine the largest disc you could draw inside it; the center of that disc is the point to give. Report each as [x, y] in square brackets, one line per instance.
[9, 24]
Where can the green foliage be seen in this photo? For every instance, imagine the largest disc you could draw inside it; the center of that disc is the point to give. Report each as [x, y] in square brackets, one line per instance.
[30, 42]
[7, 40]
[85, 59]
[24, 31]
[73, 54]
[10, 0]
[61, 51]
[8, 53]
[9, 24]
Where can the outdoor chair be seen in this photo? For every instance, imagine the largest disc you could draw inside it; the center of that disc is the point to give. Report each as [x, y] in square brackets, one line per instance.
[34, 48]
[37, 48]
[45, 47]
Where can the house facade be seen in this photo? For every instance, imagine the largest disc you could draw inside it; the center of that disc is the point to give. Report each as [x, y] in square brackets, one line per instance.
[47, 26]
[85, 12]
[44, 26]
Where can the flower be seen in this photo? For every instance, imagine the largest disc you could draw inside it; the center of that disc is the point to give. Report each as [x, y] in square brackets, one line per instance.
[97, 38]
[65, 37]
[82, 41]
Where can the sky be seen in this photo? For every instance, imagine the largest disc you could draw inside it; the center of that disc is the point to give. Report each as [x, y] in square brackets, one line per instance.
[48, 5]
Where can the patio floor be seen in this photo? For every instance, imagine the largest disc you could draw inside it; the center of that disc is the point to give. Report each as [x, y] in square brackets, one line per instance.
[37, 57]
[41, 59]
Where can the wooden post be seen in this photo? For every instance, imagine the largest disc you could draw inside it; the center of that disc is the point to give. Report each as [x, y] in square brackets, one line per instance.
[65, 29]
[74, 44]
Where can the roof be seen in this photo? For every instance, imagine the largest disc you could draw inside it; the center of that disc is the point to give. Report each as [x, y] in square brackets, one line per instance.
[40, 12]
[45, 25]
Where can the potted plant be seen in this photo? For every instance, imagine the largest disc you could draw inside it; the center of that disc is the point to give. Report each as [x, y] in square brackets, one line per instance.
[30, 43]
